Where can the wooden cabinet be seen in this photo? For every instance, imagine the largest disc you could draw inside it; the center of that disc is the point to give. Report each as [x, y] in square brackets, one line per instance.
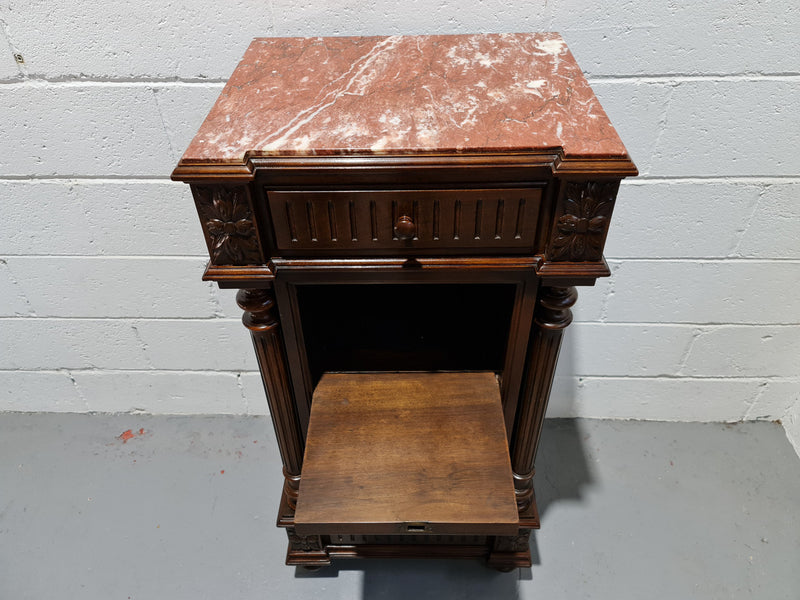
[406, 219]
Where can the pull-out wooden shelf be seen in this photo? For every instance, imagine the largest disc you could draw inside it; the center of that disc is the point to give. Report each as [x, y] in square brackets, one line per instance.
[406, 453]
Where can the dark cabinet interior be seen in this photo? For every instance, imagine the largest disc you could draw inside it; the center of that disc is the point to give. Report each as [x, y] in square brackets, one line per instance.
[417, 327]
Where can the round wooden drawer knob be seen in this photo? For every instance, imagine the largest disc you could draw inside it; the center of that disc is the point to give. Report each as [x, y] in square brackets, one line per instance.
[404, 228]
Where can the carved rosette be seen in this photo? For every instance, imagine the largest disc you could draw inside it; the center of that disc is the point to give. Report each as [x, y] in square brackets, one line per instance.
[303, 543]
[516, 543]
[228, 222]
[580, 230]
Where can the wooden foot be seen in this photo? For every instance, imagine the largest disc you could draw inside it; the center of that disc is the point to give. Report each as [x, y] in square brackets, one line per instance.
[306, 550]
[508, 561]
[505, 569]
[510, 552]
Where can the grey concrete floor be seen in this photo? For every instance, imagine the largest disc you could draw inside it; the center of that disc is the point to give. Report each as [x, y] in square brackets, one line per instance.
[186, 509]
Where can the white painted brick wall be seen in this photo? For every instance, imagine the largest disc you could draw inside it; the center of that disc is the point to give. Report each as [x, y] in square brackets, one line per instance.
[728, 128]
[67, 218]
[101, 302]
[703, 291]
[151, 39]
[731, 218]
[8, 66]
[161, 391]
[40, 390]
[668, 399]
[96, 286]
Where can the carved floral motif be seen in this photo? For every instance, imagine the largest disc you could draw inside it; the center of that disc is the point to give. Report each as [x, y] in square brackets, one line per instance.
[228, 222]
[579, 232]
[516, 543]
[310, 543]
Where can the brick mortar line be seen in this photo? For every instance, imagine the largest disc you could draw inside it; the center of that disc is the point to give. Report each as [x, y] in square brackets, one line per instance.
[697, 259]
[68, 82]
[663, 323]
[110, 81]
[764, 379]
[102, 179]
[114, 256]
[93, 412]
[615, 259]
[237, 320]
[181, 257]
[62, 371]
[705, 259]
[640, 180]
[610, 259]
[687, 78]
[138, 319]
[688, 179]
[142, 412]
[235, 372]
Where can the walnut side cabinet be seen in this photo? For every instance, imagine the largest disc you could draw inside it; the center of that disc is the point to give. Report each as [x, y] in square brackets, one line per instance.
[405, 219]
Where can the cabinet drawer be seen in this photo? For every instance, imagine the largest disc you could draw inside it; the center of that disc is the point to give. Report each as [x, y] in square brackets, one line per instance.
[405, 222]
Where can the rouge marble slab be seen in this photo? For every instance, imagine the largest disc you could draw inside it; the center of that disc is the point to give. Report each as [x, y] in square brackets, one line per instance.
[406, 95]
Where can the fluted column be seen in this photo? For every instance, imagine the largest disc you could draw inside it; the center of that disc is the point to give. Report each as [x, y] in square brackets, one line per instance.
[552, 316]
[260, 317]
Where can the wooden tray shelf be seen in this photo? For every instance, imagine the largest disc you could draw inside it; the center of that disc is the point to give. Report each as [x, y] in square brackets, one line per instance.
[406, 453]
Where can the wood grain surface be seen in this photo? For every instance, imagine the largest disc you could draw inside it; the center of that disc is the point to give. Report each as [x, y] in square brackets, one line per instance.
[407, 453]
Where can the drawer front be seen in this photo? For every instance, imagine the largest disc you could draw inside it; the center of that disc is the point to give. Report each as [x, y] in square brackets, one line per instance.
[476, 221]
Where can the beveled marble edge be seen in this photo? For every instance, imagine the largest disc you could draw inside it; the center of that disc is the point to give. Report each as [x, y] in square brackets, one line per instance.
[192, 171]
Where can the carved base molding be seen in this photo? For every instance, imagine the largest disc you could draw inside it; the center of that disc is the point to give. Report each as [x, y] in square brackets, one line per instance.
[503, 553]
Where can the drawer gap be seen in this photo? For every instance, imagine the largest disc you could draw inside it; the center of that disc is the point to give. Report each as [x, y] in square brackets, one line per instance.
[478, 219]
[373, 219]
[436, 218]
[290, 221]
[312, 220]
[520, 219]
[457, 220]
[498, 220]
[332, 222]
[353, 222]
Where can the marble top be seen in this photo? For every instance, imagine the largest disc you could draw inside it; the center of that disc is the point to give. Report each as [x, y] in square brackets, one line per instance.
[405, 95]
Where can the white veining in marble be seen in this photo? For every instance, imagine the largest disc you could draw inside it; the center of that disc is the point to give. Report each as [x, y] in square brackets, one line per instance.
[406, 94]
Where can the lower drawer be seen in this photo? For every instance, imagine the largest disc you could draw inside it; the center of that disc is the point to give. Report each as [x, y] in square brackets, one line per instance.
[396, 222]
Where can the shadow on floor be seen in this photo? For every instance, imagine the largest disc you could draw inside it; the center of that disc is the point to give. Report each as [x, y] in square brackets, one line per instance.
[425, 579]
[562, 474]
[562, 468]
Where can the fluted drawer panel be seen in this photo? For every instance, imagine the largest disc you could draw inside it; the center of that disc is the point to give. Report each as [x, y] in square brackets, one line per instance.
[472, 221]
